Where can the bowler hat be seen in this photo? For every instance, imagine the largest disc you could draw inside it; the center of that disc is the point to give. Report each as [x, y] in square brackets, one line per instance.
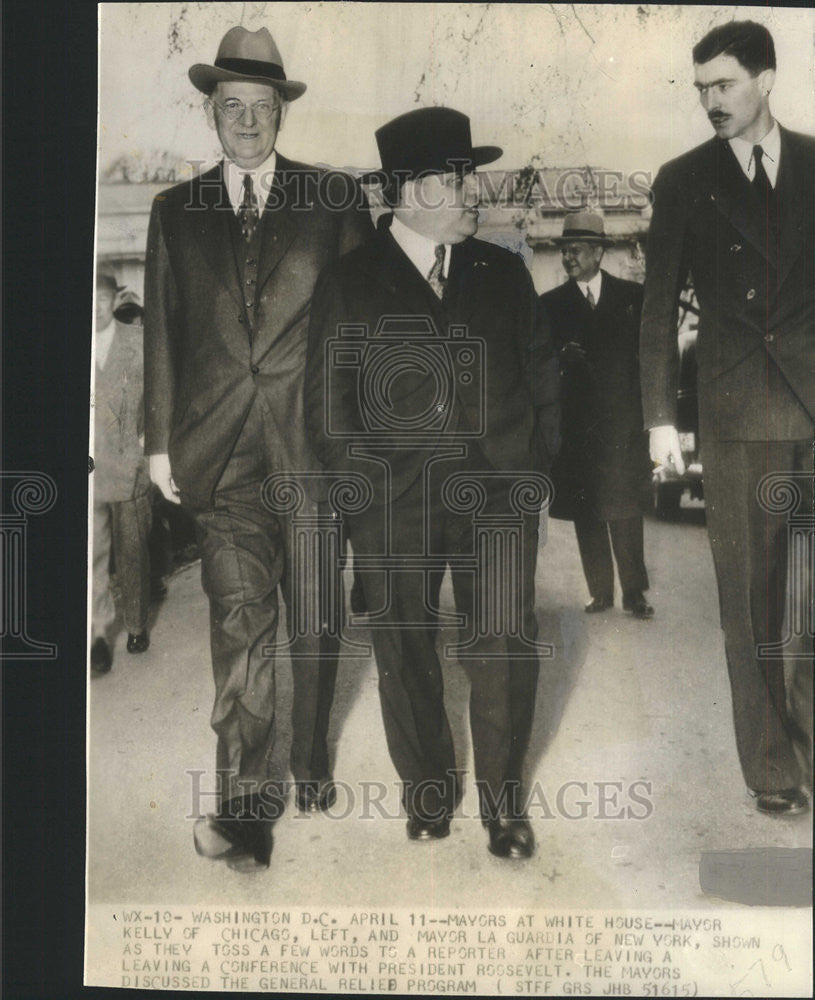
[246, 55]
[585, 226]
[427, 141]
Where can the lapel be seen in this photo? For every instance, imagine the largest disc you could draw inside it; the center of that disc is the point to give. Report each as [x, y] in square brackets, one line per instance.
[279, 220]
[391, 266]
[733, 197]
[212, 229]
[468, 272]
[792, 183]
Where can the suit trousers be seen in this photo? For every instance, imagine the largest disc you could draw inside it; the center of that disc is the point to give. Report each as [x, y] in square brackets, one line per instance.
[246, 555]
[750, 552]
[124, 526]
[402, 603]
[595, 554]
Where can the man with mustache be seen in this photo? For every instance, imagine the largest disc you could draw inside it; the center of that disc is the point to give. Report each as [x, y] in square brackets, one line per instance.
[739, 213]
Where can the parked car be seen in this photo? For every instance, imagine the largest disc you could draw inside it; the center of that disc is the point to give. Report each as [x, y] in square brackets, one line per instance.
[668, 487]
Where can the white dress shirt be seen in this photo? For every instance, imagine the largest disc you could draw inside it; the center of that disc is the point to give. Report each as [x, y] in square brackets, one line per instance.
[419, 249]
[596, 285]
[771, 144]
[262, 179]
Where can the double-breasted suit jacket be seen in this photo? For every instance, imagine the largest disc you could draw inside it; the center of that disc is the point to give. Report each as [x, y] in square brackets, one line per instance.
[752, 259]
[505, 411]
[603, 469]
[226, 325]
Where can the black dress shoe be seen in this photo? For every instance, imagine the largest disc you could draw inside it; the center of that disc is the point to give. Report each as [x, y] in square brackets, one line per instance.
[423, 829]
[137, 642]
[599, 604]
[635, 603]
[241, 835]
[314, 796]
[510, 838]
[788, 802]
[101, 658]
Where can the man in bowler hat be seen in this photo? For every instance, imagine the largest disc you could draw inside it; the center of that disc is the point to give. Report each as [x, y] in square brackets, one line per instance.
[602, 474]
[232, 258]
[739, 213]
[383, 357]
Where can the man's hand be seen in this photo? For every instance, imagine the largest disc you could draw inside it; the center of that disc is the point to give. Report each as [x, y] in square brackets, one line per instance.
[665, 449]
[163, 478]
[572, 352]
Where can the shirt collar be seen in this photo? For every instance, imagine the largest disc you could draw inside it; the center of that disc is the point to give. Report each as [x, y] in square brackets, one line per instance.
[262, 180]
[771, 144]
[419, 249]
[596, 286]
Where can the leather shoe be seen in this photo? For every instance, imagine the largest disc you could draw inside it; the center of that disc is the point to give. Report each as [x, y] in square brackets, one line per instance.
[787, 802]
[137, 642]
[510, 838]
[312, 796]
[422, 829]
[245, 844]
[101, 658]
[635, 603]
[599, 604]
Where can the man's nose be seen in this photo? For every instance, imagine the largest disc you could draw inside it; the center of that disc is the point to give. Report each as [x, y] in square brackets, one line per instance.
[248, 115]
[708, 100]
[471, 189]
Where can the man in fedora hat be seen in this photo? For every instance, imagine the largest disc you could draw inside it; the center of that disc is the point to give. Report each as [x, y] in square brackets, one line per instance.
[122, 509]
[427, 334]
[602, 474]
[232, 258]
[738, 212]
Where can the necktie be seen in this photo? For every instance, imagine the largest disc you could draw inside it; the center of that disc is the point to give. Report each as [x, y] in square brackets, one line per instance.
[761, 182]
[436, 278]
[248, 210]
[590, 298]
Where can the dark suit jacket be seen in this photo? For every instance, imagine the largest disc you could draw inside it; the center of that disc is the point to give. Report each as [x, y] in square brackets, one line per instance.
[206, 357]
[756, 342]
[120, 471]
[507, 397]
[603, 469]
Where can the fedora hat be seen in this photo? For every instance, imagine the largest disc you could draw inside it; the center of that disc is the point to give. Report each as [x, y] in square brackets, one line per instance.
[427, 141]
[246, 55]
[587, 226]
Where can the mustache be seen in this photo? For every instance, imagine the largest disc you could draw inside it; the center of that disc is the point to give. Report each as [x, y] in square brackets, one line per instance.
[718, 116]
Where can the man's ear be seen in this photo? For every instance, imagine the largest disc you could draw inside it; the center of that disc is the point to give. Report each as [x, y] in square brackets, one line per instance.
[209, 111]
[766, 81]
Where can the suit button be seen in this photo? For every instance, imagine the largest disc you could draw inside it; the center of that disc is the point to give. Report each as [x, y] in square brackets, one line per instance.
[250, 281]
[751, 294]
[251, 261]
[240, 319]
[770, 338]
[255, 369]
[249, 303]
[736, 248]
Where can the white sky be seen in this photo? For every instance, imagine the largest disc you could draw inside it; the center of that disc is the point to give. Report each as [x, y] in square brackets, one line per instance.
[609, 85]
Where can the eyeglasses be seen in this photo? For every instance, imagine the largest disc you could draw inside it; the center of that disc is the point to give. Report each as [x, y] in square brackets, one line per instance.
[234, 110]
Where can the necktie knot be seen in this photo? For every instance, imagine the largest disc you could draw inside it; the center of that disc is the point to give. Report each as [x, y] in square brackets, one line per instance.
[436, 278]
[248, 214]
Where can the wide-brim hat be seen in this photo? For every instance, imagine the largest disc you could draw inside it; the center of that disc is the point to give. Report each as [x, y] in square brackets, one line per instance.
[428, 141]
[246, 55]
[586, 227]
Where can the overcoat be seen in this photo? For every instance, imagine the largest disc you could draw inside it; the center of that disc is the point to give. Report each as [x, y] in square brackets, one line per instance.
[603, 470]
